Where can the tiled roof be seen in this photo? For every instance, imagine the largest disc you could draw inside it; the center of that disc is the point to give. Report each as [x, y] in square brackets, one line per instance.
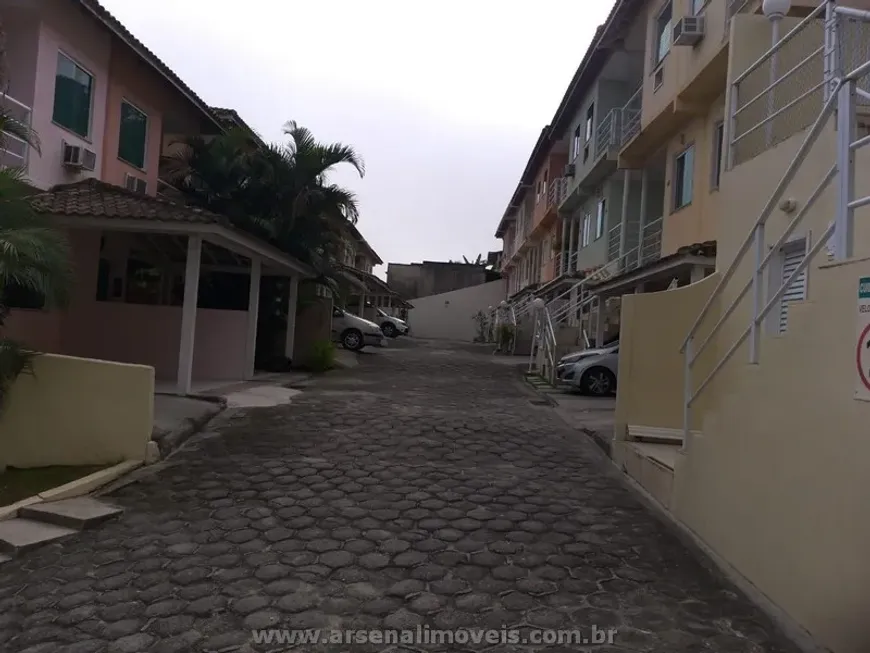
[102, 14]
[231, 118]
[97, 199]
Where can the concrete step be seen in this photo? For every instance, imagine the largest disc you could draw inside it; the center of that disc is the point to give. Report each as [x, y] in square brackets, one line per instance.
[78, 513]
[18, 535]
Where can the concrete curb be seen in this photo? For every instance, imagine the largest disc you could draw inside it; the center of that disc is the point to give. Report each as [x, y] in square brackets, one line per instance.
[77, 488]
[172, 440]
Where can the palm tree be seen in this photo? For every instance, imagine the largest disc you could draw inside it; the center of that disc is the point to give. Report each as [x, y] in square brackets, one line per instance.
[280, 193]
[33, 256]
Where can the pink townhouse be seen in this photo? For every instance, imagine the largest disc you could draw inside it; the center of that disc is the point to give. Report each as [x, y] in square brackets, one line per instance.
[106, 109]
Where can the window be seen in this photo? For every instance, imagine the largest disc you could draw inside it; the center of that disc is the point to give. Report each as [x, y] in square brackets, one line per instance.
[599, 222]
[684, 170]
[698, 6]
[587, 229]
[663, 34]
[577, 143]
[590, 116]
[718, 141]
[73, 91]
[133, 138]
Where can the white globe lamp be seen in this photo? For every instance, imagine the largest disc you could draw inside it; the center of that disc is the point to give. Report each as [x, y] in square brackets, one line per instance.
[775, 9]
[503, 303]
[538, 304]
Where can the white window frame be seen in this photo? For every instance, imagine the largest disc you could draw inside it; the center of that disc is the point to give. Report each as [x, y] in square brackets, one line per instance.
[74, 61]
[717, 164]
[601, 218]
[691, 169]
[589, 124]
[659, 53]
[587, 229]
[774, 278]
[144, 167]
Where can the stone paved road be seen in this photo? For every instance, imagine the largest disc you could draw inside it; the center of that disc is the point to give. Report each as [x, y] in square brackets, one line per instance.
[420, 488]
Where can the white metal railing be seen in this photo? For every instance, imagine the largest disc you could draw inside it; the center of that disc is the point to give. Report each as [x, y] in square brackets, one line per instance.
[842, 92]
[631, 116]
[650, 242]
[15, 151]
[558, 189]
[609, 133]
[613, 241]
[767, 105]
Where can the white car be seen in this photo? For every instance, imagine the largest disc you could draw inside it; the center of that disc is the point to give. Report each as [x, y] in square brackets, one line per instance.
[354, 332]
[592, 371]
[392, 326]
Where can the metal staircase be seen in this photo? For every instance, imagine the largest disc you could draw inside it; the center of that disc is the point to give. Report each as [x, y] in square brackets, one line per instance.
[840, 90]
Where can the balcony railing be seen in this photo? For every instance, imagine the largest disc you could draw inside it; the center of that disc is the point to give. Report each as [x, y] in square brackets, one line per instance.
[650, 242]
[631, 116]
[609, 133]
[613, 238]
[14, 152]
[557, 191]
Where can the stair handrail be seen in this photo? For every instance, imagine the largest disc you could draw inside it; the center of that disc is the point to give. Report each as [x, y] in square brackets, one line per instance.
[756, 235]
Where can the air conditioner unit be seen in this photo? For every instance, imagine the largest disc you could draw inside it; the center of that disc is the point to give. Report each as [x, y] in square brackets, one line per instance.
[689, 30]
[136, 184]
[569, 170]
[78, 157]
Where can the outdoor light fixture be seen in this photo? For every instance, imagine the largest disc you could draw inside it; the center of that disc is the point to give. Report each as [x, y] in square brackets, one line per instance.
[538, 304]
[775, 9]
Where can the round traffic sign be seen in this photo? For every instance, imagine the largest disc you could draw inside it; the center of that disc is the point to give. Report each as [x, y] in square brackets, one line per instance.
[862, 356]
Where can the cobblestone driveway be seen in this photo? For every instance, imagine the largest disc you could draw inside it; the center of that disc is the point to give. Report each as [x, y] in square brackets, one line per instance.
[419, 488]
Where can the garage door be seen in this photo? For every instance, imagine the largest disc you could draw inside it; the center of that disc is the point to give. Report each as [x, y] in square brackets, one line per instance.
[797, 291]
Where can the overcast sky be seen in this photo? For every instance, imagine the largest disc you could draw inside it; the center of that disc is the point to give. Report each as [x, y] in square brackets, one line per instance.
[443, 100]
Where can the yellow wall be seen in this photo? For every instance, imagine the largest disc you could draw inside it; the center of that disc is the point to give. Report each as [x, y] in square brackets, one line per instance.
[683, 63]
[77, 411]
[695, 223]
[653, 328]
[777, 482]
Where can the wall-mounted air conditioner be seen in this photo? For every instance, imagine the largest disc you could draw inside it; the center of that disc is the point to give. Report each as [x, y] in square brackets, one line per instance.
[570, 169]
[136, 184]
[689, 30]
[78, 157]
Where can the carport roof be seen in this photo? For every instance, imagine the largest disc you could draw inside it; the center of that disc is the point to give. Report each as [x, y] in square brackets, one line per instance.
[94, 204]
[97, 199]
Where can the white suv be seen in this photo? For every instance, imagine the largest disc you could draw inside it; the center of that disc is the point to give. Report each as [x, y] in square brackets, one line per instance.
[392, 326]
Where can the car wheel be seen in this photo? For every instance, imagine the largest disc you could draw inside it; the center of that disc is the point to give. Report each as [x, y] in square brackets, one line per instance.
[598, 381]
[352, 339]
[389, 329]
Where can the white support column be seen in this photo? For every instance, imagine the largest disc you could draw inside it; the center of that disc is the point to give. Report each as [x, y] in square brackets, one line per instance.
[563, 267]
[188, 314]
[623, 220]
[572, 224]
[253, 315]
[697, 274]
[362, 303]
[644, 189]
[844, 216]
[599, 322]
[292, 302]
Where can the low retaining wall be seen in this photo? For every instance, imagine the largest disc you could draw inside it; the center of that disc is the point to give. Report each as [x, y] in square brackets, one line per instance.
[77, 411]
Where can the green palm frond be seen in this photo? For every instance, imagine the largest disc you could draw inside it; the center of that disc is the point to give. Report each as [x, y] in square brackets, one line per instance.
[12, 127]
[15, 359]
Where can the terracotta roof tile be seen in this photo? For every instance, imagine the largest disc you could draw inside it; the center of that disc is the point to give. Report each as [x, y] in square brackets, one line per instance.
[94, 198]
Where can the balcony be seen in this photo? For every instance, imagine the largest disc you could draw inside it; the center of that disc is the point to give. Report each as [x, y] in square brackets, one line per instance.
[556, 193]
[14, 152]
[631, 117]
[608, 136]
[650, 238]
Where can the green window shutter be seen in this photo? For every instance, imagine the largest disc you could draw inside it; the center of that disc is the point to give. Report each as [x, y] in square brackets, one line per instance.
[72, 97]
[134, 135]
